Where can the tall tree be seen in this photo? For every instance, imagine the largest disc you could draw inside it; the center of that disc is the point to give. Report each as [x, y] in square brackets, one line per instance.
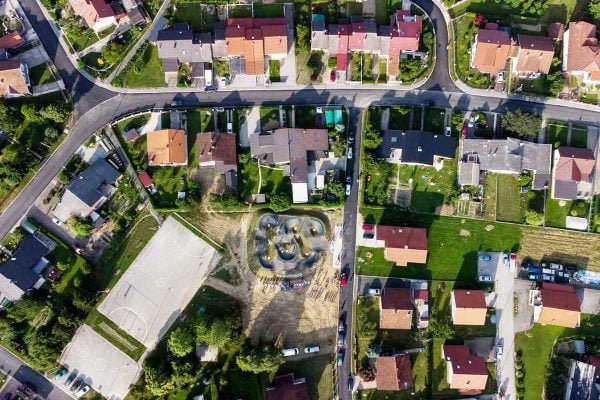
[521, 123]
[267, 358]
[181, 342]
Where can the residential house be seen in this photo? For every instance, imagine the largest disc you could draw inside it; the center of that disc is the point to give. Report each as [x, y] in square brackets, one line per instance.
[393, 372]
[491, 49]
[464, 371]
[219, 151]
[533, 56]
[468, 307]
[400, 39]
[147, 182]
[509, 156]
[14, 78]
[11, 40]
[581, 52]
[253, 39]
[583, 382]
[416, 147]
[286, 387]
[180, 45]
[420, 299]
[402, 245]
[96, 14]
[134, 12]
[555, 304]
[23, 271]
[295, 147]
[88, 191]
[167, 147]
[573, 173]
[395, 309]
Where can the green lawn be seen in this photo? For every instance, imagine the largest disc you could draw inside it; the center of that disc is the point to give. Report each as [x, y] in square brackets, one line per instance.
[262, 10]
[144, 70]
[556, 214]
[509, 199]
[274, 70]
[80, 37]
[199, 120]
[115, 335]
[439, 385]
[273, 181]
[431, 188]
[536, 86]
[318, 372]
[168, 182]
[457, 241]
[378, 179]
[240, 11]
[579, 136]
[309, 67]
[382, 16]
[434, 120]
[269, 117]
[189, 13]
[400, 117]
[40, 75]
[489, 193]
[558, 11]
[557, 132]
[465, 31]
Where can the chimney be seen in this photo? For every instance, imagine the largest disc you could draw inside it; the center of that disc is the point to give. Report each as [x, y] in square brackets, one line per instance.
[406, 246]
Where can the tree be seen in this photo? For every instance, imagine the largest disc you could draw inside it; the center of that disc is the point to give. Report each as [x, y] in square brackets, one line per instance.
[25, 310]
[594, 8]
[219, 333]
[336, 188]
[7, 331]
[372, 137]
[157, 381]
[13, 154]
[10, 118]
[264, 359]
[556, 82]
[82, 227]
[302, 34]
[521, 123]
[410, 69]
[50, 133]
[181, 342]
[31, 112]
[280, 202]
[55, 112]
[534, 218]
[43, 348]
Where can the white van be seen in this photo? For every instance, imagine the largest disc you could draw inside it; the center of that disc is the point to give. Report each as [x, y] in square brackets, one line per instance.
[311, 349]
[290, 352]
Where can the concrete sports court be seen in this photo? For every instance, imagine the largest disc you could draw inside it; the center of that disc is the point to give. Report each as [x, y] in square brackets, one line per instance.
[105, 368]
[160, 282]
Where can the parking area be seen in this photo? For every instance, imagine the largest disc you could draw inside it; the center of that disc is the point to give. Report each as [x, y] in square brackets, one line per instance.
[160, 283]
[524, 315]
[100, 364]
[590, 300]
[488, 263]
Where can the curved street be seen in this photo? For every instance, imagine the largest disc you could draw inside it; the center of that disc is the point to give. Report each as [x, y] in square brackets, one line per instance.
[96, 104]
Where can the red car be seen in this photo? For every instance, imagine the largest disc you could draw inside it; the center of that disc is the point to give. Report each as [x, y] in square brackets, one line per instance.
[463, 133]
[332, 75]
[343, 279]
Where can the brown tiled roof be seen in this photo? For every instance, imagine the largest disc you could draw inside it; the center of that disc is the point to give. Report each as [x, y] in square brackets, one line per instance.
[396, 299]
[562, 297]
[583, 52]
[11, 78]
[401, 237]
[462, 362]
[469, 298]
[92, 10]
[535, 54]
[275, 38]
[10, 40]
[167, 147]
[396, 309]
[556, 30]
[285, 387]
[219, 148]
[574, 164]
[394, 373]
[492, 51]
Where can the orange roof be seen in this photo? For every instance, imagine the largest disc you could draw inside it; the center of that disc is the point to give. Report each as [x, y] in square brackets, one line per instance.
[535, 54]
[12, 80]
[275, 38]
[403, 245]
[583, 53]
[92, 10]
[394, 372]
[468, 307]
[10, 40]
[491, 51]
[167, 147]
[254, 53]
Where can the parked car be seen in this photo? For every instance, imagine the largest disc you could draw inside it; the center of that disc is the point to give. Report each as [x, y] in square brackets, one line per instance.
[349, 156]
[471, 122]
[527, 264]
[350, 382]
[548, 278]
[513, 261]
[485, 257]
[548, 271]
[332, 75]
[499, 350]
[311, 349]
[77, 385]
[571, 269]
[293, 351]
[464, 131]
[348, 189]
[500, 76]
[535, 270]
[341, 325]
[57, 221]
[341, 339]
[229, 127]
[210, 89]
[448, 131]
[71, 378]
[351, 137]
[82, 391]
[340, 357]
[374, 292]
[176, 103]
[60, 374]
[534, 277]
[556, 266]
[485, 278]
[505, 259]
[343, 279]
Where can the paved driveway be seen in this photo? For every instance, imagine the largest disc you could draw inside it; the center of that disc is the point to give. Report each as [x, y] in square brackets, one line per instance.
[590, 300]
[364, 283]
[524, 318]
[505, 367]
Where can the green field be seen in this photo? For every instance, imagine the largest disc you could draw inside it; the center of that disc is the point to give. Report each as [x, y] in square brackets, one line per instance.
[509, 199]
[143, 71]
[453, 248]
[431, 188]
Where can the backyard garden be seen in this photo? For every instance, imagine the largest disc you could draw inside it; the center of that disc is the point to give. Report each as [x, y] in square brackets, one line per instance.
[144, 69]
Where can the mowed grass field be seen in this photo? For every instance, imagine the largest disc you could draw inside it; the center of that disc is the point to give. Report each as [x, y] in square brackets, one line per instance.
[454, 244]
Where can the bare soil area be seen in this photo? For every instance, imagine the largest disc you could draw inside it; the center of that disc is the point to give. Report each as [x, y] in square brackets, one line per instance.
[562, 246]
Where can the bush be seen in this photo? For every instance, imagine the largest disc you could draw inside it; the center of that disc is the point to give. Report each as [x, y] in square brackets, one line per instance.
[332, 62]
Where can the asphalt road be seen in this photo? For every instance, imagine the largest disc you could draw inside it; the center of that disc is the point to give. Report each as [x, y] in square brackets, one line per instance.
[348, 253]
[21, 372]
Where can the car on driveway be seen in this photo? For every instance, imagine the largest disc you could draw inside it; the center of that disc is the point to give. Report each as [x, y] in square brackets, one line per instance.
[513, 261]
[71, 378]
[343, 279]
[485, 257]
[311, 349]
[60, 374]
[505, 259]
[340, 357]
[57, 221]
[332, 75]
[485, 278]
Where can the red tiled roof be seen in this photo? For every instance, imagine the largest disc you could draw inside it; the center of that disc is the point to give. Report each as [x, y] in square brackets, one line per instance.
[10, 40]
[357, 39]
[583, 53]
[463, 362]
[145, 179]
[400, 237]
[405, 34]
[469, 298]
[574, 164]
[394, 373]
[396, 299]
[421, 295]
[285, 387]
[562, 297]
[92, 10]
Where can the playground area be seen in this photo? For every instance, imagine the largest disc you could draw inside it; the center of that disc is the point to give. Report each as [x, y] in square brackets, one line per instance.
[289, 243]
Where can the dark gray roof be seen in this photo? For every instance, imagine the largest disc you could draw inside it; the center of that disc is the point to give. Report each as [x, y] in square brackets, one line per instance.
[87, 185]
[565, 190]
[136, 16]
[585, 381]
[19, 269]
[418, 147]
[182, 44]
[169, 65]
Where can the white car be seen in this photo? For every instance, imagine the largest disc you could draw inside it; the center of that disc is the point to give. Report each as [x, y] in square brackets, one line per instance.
[82, 391]
[501, 76]
[499, 350]
[348, 189]
[290, 352]
[349, 153]
[311, 349]
[374, 292]
[485, 278]
[448, 131]
[471, 122]
[57, 221]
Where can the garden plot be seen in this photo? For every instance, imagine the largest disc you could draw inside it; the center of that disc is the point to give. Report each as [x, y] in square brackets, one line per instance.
[160, 282]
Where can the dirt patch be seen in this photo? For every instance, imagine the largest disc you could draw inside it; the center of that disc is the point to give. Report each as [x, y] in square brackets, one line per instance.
[465, 233]
[489, 227]
[562, 246]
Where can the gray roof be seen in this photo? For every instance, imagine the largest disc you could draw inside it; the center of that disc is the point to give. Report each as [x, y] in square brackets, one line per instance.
[418, 147]
[136, 16]
[332, 39]
[87, 186]
[384, 40]
[372, 41]
[182, 44]
[585, 381]
[20, 268]
[219, 46]
[468, 174]
[511, 156]
[564, 190]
